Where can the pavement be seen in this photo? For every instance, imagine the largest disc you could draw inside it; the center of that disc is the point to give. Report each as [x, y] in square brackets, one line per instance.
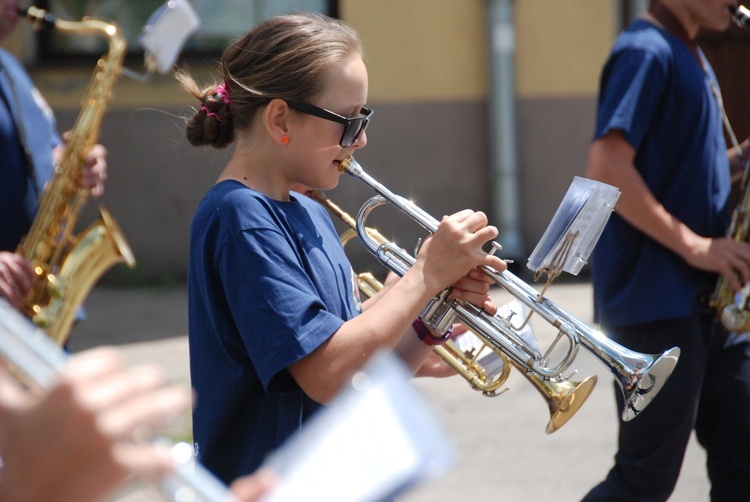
[503, 451]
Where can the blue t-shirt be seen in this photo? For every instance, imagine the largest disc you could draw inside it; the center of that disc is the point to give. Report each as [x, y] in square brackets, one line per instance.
[268, 284]
[27, 137]
[655, 90]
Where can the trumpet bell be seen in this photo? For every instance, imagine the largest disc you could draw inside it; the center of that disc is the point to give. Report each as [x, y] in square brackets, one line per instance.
[565, 399]
[644, 385]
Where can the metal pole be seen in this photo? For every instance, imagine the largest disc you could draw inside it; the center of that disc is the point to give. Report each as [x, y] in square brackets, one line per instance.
[502, 127]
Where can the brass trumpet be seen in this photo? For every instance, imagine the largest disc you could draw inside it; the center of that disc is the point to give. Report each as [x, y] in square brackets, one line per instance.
[640, 376]
[563, 398]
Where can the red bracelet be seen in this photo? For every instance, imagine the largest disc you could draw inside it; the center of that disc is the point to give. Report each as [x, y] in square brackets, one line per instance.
[424, 334]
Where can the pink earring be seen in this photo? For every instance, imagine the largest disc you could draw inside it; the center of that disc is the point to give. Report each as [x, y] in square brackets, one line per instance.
[285, 139]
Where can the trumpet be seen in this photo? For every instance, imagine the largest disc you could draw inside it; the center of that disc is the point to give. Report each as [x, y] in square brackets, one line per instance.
[564, 398]
[36, 360]
[639, 376]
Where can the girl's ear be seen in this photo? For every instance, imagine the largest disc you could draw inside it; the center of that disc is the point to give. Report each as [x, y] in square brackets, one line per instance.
[276, 120]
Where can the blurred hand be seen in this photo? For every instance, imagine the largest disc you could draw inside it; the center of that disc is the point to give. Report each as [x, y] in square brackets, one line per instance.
[95, 172]
[95, 169]
[252, 487]
[16, 277]
[80, 439]
[723, 255]
[435, 366]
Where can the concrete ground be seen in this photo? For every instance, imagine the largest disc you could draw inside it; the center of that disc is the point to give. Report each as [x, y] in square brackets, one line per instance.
[504, 453]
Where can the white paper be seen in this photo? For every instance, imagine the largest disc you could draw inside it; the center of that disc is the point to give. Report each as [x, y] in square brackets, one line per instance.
[166, 32]
[575, 227]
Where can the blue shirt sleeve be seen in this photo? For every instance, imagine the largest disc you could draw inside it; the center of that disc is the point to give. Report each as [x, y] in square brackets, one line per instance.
[632, 88]
[271, 293]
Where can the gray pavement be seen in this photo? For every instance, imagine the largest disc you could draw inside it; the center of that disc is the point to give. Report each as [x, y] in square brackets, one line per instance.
[504, 453]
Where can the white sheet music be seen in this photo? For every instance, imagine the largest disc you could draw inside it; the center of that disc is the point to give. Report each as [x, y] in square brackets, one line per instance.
[376, 439]
[166, 32]
[575, 227]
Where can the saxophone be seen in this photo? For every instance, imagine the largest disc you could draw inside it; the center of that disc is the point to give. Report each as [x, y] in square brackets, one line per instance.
[733, 309]
[67, 265]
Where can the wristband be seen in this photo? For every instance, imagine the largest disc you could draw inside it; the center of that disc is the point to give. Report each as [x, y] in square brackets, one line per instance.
[424, 334]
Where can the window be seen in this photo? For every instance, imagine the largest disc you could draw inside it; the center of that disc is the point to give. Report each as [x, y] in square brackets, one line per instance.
[221, 22]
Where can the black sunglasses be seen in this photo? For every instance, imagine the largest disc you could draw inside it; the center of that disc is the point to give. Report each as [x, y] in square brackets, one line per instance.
[353, 126]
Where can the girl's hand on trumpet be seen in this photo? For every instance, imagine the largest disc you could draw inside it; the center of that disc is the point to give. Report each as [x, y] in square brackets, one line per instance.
[455, 248]
[474, 288]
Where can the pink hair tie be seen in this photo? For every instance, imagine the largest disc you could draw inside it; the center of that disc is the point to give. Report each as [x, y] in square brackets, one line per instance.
[222, 93]
[210, 113]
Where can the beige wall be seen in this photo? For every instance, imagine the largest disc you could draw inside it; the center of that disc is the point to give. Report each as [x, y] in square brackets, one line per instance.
[422, 50]
[560, 50]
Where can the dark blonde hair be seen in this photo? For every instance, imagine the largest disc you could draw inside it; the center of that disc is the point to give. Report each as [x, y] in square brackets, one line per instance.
[283, 57]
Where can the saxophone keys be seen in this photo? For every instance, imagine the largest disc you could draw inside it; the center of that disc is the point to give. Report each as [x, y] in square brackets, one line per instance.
[39, 318]
[54, 288]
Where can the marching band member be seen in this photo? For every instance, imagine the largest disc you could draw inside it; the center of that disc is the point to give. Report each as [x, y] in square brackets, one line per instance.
[276, 325]
[659, 139]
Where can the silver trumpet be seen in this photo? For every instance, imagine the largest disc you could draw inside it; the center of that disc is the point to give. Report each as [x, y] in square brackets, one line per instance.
[640, 376]
[36, 359]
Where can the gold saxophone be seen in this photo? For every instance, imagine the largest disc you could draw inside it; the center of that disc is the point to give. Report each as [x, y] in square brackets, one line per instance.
[733, 310]
[564, 398]
[66, 265]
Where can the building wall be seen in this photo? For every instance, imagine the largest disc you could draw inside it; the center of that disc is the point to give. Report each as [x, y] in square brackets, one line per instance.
[428, 67]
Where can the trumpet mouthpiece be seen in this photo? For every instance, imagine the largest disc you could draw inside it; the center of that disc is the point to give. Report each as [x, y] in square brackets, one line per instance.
[346, 164]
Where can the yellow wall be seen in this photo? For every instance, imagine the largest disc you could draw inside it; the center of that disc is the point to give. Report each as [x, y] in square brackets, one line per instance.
[561, 46]
[422, 50]
[428, 50]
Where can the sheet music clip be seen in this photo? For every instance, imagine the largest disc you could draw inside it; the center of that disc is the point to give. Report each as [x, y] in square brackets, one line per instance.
[164, 36]
[574, 229]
